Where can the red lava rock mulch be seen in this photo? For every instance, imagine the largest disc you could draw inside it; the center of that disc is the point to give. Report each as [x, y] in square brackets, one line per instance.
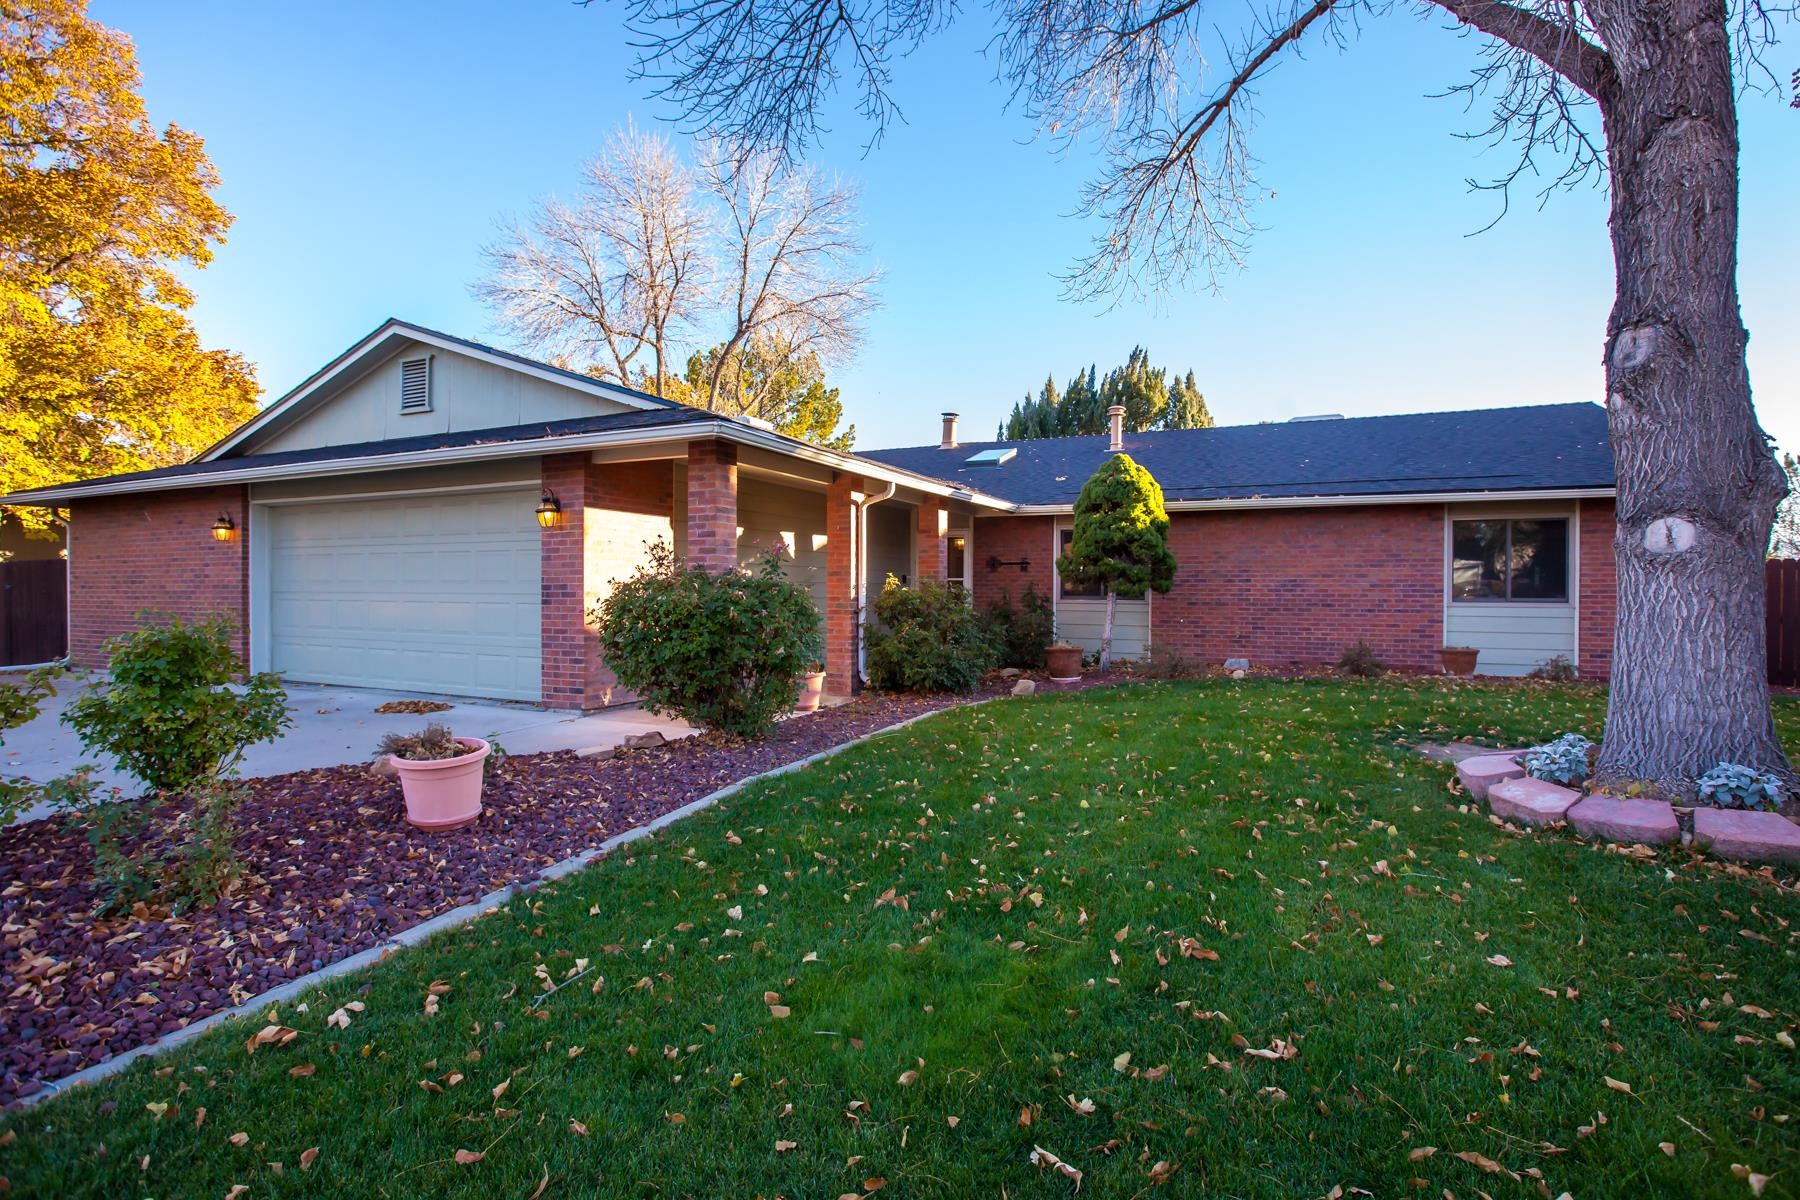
[332, 868]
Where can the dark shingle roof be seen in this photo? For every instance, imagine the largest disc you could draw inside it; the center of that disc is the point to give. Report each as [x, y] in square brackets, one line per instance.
[1542, 447]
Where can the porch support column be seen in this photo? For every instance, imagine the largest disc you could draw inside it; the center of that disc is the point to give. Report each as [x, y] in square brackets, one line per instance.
[933, 540]
[712, 506]
[841, 499]
[568, 644]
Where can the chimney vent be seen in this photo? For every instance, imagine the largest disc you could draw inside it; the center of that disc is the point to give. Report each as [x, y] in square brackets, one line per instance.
[949, 441]
[1115, 421]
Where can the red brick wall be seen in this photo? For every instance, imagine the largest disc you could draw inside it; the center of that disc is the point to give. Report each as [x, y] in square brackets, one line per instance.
[155, 554]
[1011, 538]
[712, 506]
[566, 643]
[1599, 589]
[840, 590]
[1291, 588]
[934, 547]
[609, 512]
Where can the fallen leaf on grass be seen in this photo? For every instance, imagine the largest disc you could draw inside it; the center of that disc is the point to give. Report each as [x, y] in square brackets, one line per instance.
[308, 1158]
[1617, 1085]
[782, 1147]
[1420, 1152]
[1477, 1159]
[237, 1189]
[1499, 960]
[270, 1035]
[239, 1139]
[578, 1127]
[542, 1184]
[1160, 1172]
[907, 1078]
[302, 1071]
[466, 1158]
[1041, 1157]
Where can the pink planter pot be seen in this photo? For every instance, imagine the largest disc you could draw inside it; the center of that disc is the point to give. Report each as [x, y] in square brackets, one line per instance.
[444, 793]
[812, 689]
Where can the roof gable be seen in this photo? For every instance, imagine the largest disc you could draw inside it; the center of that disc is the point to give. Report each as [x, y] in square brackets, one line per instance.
[356, 398]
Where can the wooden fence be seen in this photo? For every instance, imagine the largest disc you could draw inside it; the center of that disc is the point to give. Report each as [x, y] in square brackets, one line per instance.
[1783, 575]
[34, 611]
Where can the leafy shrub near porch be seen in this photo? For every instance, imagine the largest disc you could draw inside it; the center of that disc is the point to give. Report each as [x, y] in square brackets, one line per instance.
[170, 713]
[928, 640]
[1024, 631]
[724, 651]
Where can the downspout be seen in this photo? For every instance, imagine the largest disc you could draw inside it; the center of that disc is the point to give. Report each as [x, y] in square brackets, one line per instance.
[862, 572]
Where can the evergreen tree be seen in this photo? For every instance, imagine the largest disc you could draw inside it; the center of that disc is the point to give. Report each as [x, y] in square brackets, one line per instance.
[1121, 539]
[1082, 414]
[1139, 388]
[1187, 407]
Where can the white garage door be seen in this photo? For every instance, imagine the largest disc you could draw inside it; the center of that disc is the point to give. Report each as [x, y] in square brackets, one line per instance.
[410, 593]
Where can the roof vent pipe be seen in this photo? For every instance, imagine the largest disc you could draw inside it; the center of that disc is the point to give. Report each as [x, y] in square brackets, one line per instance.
[1115, 422]
[949, 440]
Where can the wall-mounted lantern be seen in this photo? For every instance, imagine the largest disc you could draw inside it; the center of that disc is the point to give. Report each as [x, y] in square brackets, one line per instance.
[549, 511]
[995, 563]
[223, 530]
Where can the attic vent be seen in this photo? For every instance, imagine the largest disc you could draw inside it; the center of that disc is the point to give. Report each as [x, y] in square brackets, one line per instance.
[415, 385]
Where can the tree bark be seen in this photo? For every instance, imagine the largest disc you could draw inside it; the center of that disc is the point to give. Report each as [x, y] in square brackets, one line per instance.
[1112, 606]
[1697, 482]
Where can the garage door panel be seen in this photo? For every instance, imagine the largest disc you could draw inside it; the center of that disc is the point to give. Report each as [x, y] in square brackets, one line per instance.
[424, 593]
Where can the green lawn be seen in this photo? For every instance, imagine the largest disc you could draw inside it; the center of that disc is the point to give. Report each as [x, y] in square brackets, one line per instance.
[998, 900]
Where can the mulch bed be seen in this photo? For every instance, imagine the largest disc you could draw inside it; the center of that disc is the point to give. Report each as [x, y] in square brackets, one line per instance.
[332, 868]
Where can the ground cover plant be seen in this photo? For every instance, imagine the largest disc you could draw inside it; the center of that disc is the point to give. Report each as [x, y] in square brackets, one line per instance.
[1226, 936]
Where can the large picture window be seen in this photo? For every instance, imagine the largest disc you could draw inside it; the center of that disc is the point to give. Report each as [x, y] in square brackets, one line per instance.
[1074, 589]
[1503, 559]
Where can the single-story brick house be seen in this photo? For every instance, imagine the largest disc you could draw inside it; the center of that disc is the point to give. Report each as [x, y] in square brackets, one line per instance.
[384, 525]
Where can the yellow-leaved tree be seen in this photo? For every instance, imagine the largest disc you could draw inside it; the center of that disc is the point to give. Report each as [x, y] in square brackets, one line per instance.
[100, 370]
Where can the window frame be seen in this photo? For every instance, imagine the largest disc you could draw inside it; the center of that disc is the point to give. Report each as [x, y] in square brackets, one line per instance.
[1571, 565]
[1064, 535]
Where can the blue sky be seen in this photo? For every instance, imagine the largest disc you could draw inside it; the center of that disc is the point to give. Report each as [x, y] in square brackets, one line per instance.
[368, 150]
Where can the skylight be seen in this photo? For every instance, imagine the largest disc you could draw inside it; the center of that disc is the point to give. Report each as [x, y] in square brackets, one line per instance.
[992, 458]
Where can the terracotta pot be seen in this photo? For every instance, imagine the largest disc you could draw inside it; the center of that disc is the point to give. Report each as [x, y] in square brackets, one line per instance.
[1459, 660]
[1063, 663]
[443, 793]
[812, 689]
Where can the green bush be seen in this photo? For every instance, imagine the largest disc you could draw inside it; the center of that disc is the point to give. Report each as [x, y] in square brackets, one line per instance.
[170, 714]
[725, 651]
[928, 640]
[1023, 632]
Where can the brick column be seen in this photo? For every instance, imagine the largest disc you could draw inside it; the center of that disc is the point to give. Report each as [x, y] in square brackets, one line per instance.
[840, 585]
[566, 643]
[934, 546]
[712, 506]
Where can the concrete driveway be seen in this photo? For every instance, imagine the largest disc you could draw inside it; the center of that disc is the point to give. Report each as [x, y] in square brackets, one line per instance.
[334, 725]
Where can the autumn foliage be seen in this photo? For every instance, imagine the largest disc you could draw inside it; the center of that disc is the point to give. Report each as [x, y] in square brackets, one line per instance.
[100, 369]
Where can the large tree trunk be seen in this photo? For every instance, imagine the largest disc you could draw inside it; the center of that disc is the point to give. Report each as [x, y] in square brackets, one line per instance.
[1698, 484]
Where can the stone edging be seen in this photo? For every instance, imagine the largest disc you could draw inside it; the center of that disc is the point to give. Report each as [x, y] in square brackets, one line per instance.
[461, 915]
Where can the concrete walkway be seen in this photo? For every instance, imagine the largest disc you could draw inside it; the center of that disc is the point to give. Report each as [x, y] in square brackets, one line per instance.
[334, 725]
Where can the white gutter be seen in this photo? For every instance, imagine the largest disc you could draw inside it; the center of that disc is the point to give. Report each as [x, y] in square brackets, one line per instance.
[862, 573]
[486, 451]
[1348, 501]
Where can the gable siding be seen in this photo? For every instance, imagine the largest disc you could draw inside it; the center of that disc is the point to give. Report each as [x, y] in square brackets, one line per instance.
[466, 394]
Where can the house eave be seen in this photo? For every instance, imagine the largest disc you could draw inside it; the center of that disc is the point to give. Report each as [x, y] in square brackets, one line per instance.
[1343, 501]
[722, 429]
